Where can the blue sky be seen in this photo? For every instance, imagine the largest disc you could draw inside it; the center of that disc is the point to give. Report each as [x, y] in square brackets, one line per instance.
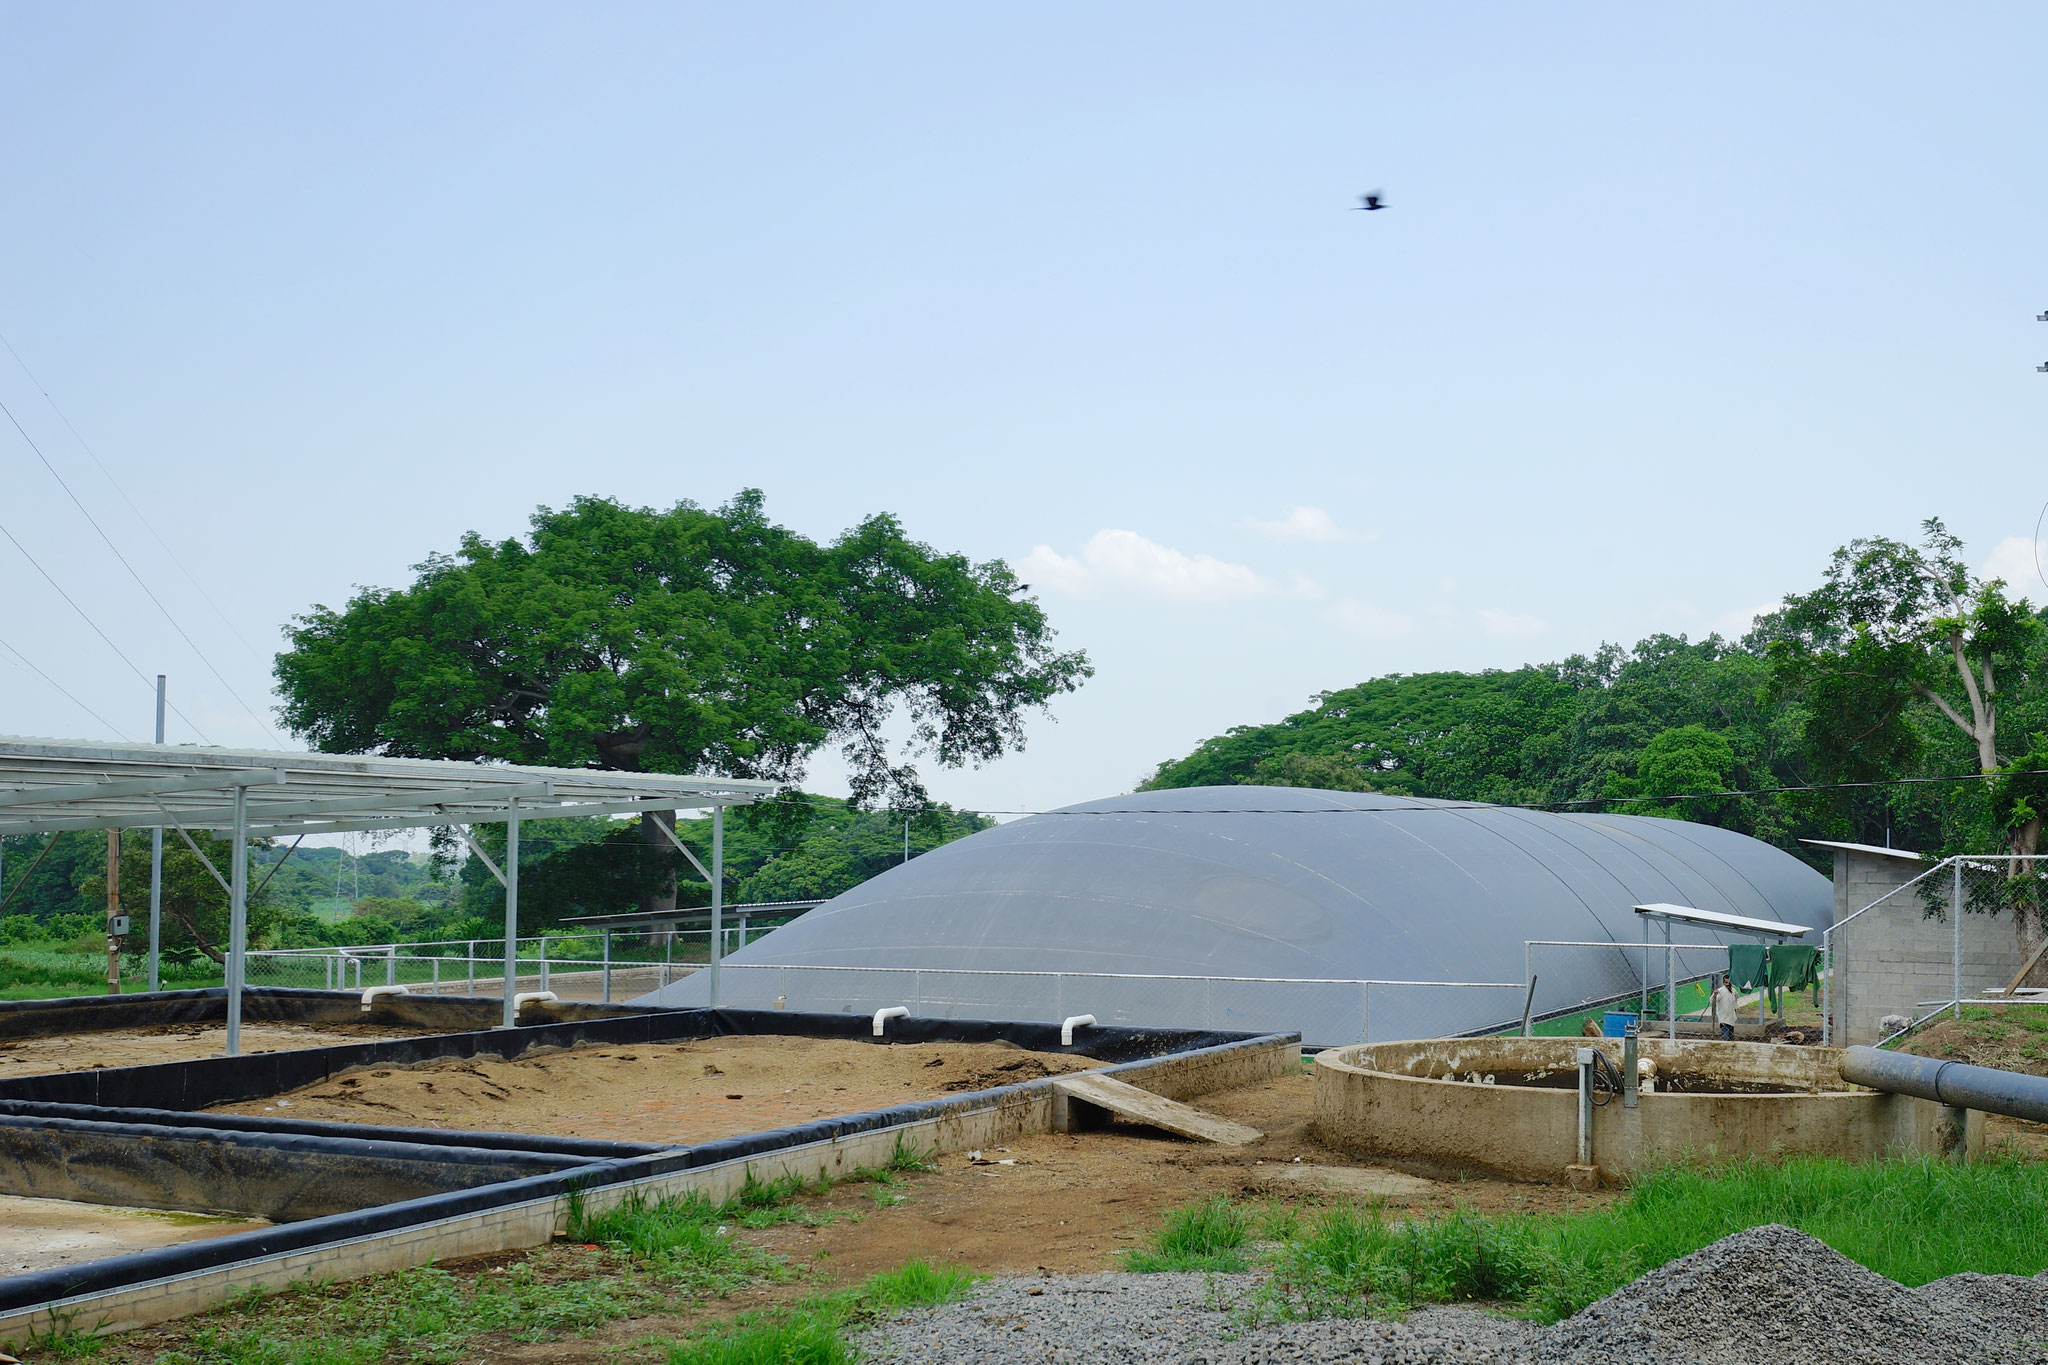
[1667, 305]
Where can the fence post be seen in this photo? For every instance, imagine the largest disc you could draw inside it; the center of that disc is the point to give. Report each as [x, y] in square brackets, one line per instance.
[543, 961]
[607, 966]
[391, 964]
[1827, 986]
[470, 949]
[327, 961]
[437, 973]
[668, 954]
[1956, 953]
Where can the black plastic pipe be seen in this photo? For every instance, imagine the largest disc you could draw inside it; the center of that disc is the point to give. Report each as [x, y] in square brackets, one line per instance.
[1953, 1083]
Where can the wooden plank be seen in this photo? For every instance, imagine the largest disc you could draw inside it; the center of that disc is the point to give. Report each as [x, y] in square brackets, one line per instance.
[1142, 1106]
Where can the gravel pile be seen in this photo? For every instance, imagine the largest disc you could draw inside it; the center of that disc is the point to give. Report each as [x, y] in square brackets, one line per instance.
[1770, 1292]
[1774, 1289]
[1118, 1319]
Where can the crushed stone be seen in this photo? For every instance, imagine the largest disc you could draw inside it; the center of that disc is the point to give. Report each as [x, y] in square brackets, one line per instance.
[1767, 1293]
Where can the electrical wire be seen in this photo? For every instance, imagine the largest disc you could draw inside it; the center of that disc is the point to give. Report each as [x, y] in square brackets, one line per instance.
[31, 666]
[96, 629]
[100, 464]
[109, 540]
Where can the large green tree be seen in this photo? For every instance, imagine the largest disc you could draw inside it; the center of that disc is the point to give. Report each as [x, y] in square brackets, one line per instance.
[684, 640]
[1902, 656]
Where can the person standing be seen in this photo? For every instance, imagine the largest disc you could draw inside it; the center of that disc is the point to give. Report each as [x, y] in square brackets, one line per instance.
[1724, 1003]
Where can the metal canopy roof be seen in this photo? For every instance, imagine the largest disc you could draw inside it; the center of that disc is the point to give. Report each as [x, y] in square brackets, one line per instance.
[53, 785]
[1906, 854]
[1714, 919]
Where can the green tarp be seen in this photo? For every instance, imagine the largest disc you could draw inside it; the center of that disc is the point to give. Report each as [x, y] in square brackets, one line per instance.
[1746, 965]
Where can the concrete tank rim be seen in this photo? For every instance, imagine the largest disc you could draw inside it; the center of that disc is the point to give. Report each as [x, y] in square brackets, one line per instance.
[1342, 1062]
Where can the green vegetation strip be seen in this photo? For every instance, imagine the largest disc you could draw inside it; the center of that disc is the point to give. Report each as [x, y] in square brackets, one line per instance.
[1911, 1220]
[634, 1258]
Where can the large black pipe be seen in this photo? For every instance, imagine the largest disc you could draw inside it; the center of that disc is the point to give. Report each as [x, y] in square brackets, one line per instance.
[1953, 1083]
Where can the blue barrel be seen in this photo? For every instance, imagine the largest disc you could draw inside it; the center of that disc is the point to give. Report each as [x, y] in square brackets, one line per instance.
[1616, 1024]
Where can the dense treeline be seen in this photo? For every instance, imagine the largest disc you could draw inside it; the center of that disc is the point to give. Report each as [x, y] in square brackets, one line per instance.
[1901, 665]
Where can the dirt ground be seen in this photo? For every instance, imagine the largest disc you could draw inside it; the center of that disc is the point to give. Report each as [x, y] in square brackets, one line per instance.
[1063, 1203]
[37, 1234]
[2009, 1037]
[170, 1043]
[687, 1092]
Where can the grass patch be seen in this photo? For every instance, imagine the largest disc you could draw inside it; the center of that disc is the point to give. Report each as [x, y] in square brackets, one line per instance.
[1351, 1260]
[814, 1332]
[1911, 1220]
[1209, 1236]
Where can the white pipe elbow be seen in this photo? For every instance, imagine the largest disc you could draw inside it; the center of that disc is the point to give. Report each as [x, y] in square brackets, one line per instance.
[893, 1012]
[1067, 1027]
[375, 991]
[525, 998]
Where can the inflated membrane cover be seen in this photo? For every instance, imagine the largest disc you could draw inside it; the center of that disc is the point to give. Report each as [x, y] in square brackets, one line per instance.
[1271, 882]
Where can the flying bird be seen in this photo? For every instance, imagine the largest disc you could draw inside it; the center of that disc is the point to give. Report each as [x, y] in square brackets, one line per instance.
[1370, 203]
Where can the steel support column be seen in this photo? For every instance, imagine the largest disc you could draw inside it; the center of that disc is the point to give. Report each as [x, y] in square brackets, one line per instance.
[1955, 915]
[510, 877]
[717, 895]
[238, 920]
[156, 868]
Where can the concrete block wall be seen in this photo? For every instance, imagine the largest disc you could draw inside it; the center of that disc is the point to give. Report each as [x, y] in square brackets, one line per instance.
[1893, 957]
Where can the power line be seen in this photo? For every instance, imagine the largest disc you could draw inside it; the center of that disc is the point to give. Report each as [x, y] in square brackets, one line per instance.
[96, 628]
[65, 418]
[109, 540]
[31, 666]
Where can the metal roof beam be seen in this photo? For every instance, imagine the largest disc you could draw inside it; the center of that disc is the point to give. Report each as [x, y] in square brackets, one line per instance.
[222, 780]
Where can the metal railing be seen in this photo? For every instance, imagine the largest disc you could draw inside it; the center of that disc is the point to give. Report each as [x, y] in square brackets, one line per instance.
[605, 967]
[1327, 1012]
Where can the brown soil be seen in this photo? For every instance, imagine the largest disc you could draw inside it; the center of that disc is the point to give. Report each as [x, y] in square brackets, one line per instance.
[2009, 1037]
[690, 1092]
[38, 1234]
[1069, 1204]
[171, 1043]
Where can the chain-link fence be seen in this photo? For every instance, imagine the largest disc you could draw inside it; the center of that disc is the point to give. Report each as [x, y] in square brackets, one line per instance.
[1576, 980]
[1326, 1013]
[1906, 955]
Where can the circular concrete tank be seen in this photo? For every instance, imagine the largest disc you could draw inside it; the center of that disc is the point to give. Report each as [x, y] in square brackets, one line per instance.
[1509, 1107]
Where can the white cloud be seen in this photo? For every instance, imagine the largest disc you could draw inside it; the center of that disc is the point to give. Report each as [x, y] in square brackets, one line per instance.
[1305, 523]
[1509, 625]
[1375, 623]
[1124, 561]
[2014, 561]
[1736, 623]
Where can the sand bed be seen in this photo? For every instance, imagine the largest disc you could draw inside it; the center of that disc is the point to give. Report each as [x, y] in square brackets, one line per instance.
[37, 1234]
[172, 1043]
[689, 1092]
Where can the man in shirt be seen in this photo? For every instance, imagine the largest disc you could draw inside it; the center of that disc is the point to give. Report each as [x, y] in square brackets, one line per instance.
[1724, 1008]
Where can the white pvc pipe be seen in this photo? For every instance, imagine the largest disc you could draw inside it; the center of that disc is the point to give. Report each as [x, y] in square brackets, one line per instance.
[893, 1012]
[525, 998]
[1067, 1027]
[375, 991]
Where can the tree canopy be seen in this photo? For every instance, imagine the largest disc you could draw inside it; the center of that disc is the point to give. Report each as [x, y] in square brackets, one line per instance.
[1900, 664]
[685, 640]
